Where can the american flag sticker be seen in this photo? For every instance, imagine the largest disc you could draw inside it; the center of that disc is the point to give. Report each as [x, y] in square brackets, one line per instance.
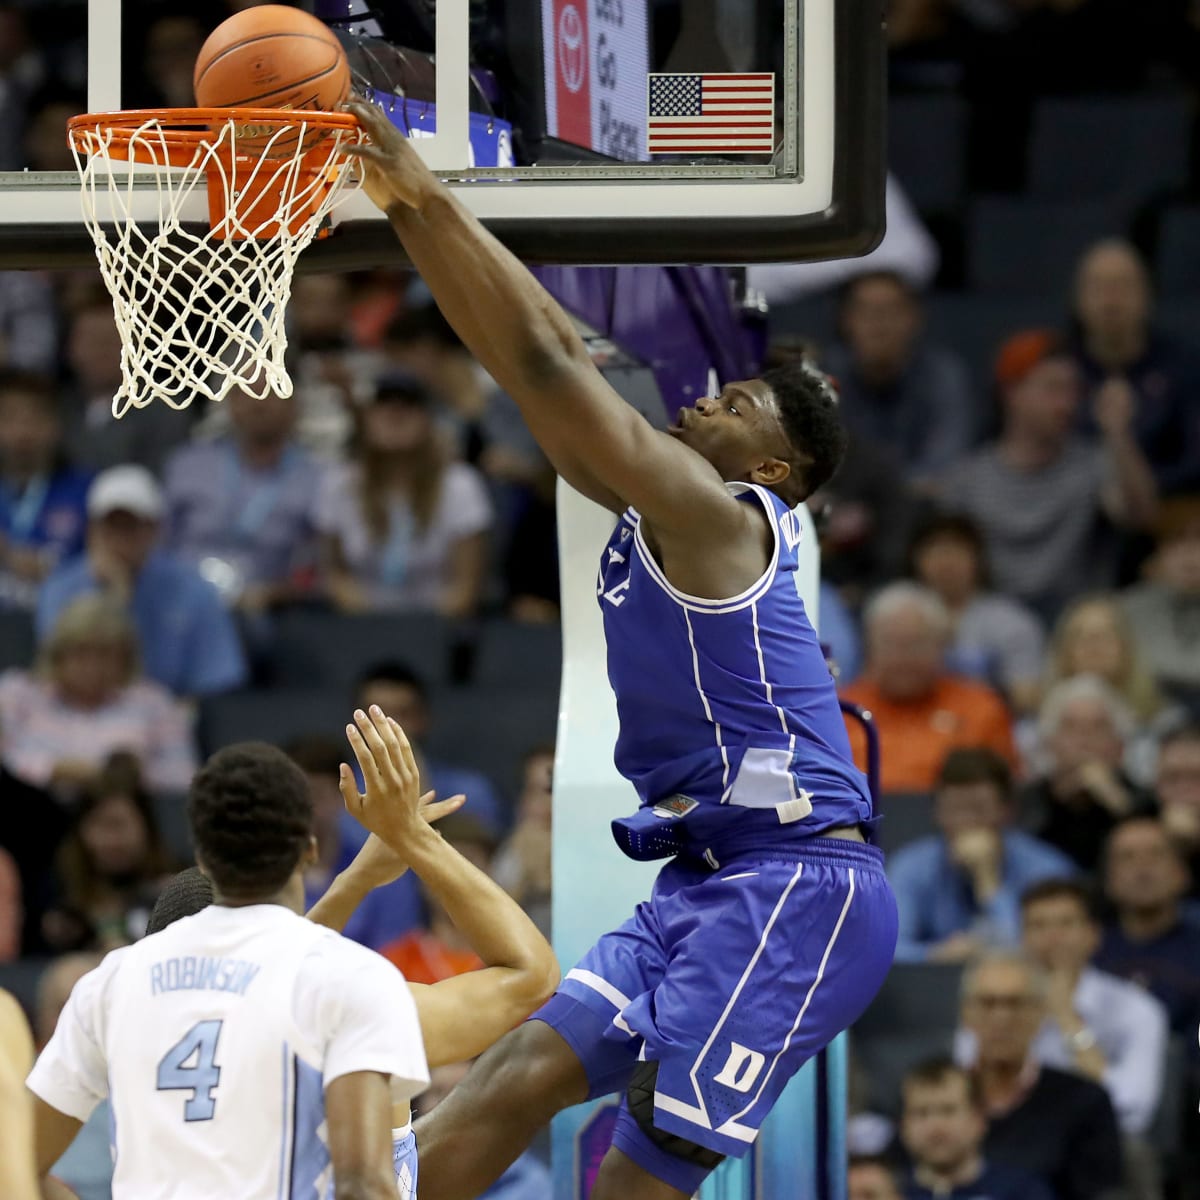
[711, 114]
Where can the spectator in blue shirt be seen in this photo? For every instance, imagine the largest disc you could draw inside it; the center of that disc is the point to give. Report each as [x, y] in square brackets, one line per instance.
[188, 641]
[958, 891]
[1150, 941]
[402, 694]
[943, 1128]
[43, 498]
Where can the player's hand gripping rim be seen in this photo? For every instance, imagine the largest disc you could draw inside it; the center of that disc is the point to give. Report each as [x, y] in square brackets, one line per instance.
[392, 171]
[392, 806]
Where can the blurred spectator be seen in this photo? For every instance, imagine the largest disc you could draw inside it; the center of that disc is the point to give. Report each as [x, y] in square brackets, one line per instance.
[242, 509]
[1050, 1123]
[1039, 490]
[187, 640]
[404, 696]
[839, 634]
[1084, 790]
[871, 1178]
[172, 45]
[22, 69]
[995, 639]
[1094, 637]
[403, 527]
[1097, 1025]
[522, 864]
[959, 890]
[387, 912]
[441, 951]
[111, 865]
[145, 435]
[1177, 789]
[43, 499]
[86, 701]
[943, 1128]
[12, 908]
[1155, 375]
[526, 1179]
[1164, 610]
[897, 389]
[47, 113]
[1149, 941]
[921, 711]
[87, 1166]
[28, 322]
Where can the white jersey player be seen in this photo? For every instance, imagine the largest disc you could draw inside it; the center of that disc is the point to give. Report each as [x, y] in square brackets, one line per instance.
[245, 1052]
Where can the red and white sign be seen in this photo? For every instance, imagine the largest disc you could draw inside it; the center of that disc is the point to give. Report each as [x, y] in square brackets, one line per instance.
[596, 55]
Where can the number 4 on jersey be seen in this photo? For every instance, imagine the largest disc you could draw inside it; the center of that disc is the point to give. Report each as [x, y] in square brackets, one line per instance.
[200, 1077]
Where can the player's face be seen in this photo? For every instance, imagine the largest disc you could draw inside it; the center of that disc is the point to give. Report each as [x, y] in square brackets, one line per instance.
[738, 431]
[940, 1129]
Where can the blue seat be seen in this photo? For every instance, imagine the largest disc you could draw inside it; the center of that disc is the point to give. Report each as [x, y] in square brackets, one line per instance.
[1090, 148]
[312, 647]
[1031, 247]
[18, 644]
[513, 654]
[272, 715]
[927, 143]
[1177, 262]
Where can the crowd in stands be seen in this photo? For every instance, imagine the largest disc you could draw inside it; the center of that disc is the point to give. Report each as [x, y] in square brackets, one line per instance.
[1011, 566]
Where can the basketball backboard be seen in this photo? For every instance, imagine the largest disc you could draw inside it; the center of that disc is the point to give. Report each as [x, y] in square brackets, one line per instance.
[580, 131]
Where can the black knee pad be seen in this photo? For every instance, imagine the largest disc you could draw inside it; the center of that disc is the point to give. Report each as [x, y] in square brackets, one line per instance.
[641, 1104]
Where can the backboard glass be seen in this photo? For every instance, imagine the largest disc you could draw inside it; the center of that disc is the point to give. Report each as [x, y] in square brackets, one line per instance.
[580, 131]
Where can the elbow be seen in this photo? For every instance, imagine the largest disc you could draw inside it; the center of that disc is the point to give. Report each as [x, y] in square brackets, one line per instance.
[540, 981]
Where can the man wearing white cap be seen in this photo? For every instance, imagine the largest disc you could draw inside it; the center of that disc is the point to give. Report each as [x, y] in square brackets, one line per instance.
[188, 641]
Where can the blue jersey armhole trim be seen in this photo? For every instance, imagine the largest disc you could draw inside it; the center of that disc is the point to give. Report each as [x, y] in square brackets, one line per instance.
[751, 595]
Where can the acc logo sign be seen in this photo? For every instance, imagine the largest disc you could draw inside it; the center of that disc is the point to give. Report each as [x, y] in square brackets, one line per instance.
[572, 53]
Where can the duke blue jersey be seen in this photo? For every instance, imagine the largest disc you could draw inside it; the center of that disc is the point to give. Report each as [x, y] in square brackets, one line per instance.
[214, 1041]
[730, 728]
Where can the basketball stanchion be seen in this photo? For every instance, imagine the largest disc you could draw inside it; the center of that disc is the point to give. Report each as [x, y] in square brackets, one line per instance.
[200, 308]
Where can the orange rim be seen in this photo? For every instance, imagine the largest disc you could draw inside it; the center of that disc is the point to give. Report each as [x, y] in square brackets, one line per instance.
[185, 130]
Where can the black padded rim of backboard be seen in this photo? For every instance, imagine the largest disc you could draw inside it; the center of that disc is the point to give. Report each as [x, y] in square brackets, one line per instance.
[852, 225]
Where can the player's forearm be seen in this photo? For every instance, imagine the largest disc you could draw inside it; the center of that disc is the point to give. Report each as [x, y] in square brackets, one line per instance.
[337, 906]
[496, 927]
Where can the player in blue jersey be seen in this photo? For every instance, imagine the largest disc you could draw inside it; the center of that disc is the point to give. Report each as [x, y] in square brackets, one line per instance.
[772, 926]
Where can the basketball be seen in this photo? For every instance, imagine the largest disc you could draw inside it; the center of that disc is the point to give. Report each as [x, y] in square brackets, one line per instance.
[271, 56]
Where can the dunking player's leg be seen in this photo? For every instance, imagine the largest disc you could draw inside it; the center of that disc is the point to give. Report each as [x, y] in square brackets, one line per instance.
[482, 1127]
[620, 1178]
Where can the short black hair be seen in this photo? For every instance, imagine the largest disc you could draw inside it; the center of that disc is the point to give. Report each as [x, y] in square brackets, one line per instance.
[395, 672]
[975, 764]
[1061, 889]
[956, 526]
[936, 1070]
[186, 894]
[808, 408]
[251, 814]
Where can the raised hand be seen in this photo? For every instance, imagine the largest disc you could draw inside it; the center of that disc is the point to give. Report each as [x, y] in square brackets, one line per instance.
[392, 171]
[392, 806]
[377, 864]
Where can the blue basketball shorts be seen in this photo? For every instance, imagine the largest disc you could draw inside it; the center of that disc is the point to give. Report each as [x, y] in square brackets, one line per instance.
[729, 980]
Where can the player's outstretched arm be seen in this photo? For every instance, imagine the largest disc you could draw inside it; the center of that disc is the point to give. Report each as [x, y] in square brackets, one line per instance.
[521, 335]
[459, 1017]
[374, 866]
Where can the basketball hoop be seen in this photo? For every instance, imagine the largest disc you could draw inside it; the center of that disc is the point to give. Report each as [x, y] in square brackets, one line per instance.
[201, 310]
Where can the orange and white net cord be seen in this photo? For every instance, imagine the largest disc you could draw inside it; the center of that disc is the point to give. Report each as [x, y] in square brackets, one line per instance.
[201, 304]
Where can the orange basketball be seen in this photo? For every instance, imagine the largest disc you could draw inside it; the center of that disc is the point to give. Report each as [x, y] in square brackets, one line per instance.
[271, 56]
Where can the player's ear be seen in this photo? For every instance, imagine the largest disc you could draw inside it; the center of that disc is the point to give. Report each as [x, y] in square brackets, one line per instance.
[311, 853]
[771, 472]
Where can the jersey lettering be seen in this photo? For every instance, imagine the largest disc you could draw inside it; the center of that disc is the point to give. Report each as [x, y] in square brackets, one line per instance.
[741, 1068]
[200, 1077]
[616, 594]
[789, 526]
[202, 974]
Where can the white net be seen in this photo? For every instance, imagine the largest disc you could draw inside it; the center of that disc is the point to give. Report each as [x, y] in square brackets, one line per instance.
[200, 300]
